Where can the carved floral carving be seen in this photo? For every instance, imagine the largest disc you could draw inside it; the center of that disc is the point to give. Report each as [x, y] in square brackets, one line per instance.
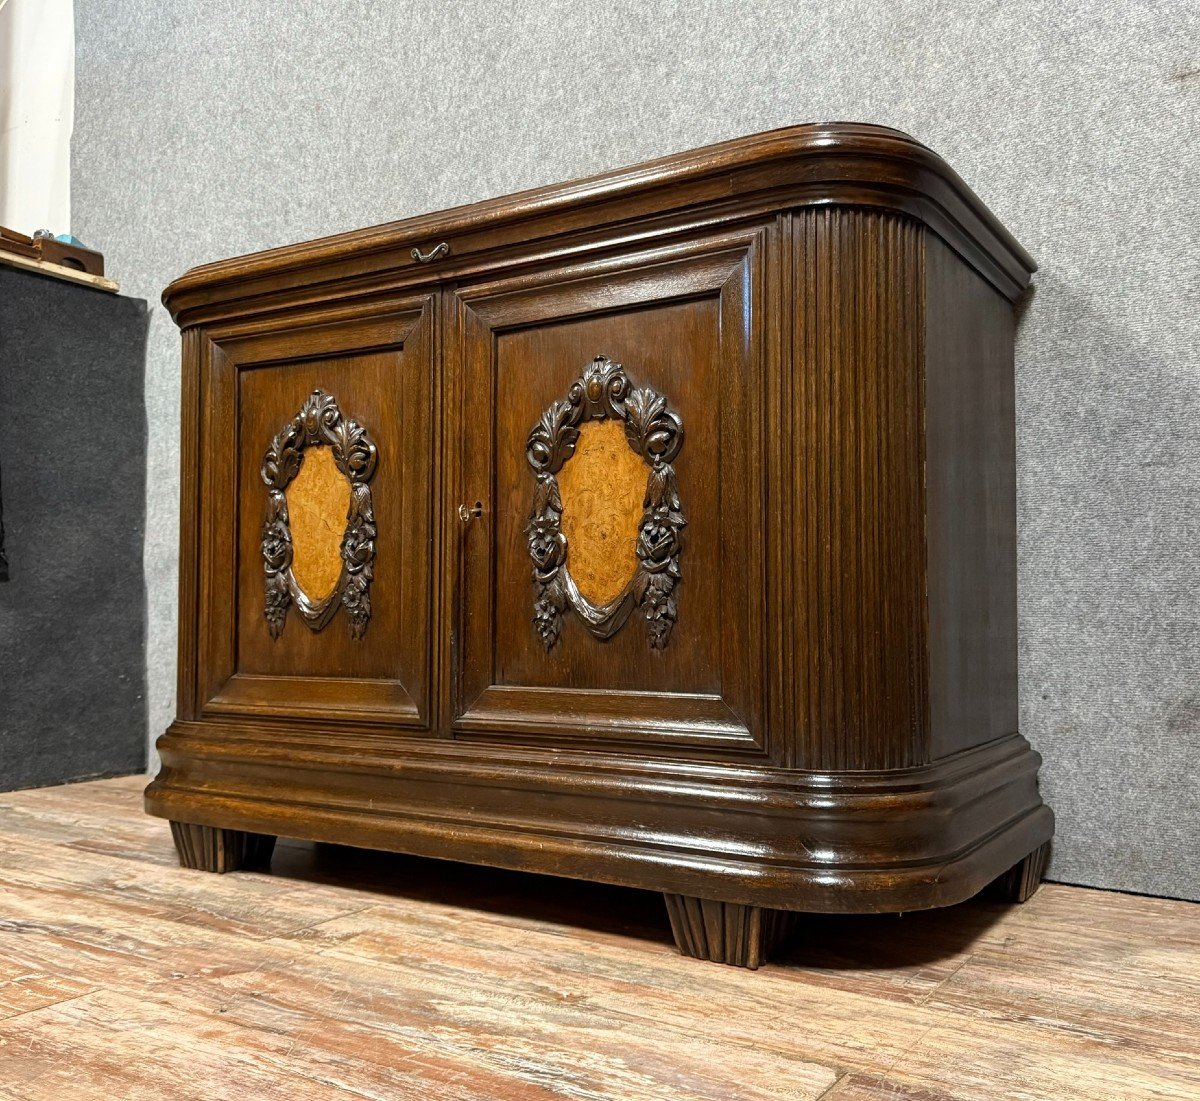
[320, 424]
[653, 431]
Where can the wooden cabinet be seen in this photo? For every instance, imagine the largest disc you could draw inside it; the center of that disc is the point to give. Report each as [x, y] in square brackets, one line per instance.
[657, 528]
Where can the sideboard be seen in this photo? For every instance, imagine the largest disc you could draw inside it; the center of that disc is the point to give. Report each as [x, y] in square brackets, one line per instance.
[656, 528]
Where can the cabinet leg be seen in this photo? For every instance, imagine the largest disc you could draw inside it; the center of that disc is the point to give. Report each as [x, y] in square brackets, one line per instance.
[726, 932]
[1020, 882]
[213, 849]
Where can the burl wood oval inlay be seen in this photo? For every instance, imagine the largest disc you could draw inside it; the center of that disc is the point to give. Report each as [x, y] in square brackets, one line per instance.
[603, 486]
[318, 499]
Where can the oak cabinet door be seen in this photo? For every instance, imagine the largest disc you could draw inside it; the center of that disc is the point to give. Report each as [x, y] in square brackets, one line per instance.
[316, 516]
[609, 424]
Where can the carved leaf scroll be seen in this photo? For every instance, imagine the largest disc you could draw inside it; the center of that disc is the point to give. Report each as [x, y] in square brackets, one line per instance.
[319, 424]
[654, 432]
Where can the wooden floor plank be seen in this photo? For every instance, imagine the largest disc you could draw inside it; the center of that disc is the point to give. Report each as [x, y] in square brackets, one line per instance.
[346, 974]
[966, 1059]
[357, 1021]
[256, 906]
[649, 986]
[24, 988]
[870, 1087]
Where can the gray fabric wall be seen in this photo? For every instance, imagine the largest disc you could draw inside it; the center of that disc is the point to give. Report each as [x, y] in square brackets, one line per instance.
[208, 130]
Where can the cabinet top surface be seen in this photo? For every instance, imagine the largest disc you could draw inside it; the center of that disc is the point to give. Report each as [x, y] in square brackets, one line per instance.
[815, 163]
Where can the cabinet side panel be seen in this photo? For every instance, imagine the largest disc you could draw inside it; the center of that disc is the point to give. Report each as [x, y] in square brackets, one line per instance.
[194, 351]
[971, 490]
[859, 628]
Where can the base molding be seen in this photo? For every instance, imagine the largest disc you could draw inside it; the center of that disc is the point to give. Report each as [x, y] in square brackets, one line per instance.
[727, 932]
[748, 834]
[215, 849]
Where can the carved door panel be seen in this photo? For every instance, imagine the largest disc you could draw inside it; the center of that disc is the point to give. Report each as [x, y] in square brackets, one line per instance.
[609, 424]
[316, 516]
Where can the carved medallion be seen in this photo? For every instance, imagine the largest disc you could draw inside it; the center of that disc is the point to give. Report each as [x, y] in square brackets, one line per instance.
[310, 491]
[607, 553]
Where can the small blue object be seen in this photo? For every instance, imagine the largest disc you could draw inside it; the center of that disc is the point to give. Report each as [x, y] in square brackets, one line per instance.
[45, 234]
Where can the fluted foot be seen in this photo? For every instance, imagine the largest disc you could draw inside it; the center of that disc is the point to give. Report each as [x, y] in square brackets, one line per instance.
[1020, 882]
[726, 932]
[213, 849]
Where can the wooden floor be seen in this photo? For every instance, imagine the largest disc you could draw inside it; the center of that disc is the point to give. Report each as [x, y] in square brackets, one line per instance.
[345, 974]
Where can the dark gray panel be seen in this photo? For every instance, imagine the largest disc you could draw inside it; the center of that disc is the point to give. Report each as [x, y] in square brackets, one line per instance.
[73, 457]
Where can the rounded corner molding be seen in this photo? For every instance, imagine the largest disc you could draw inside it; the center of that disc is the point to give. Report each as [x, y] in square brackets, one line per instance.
[655, 433]
[839, 159]
[319, 423]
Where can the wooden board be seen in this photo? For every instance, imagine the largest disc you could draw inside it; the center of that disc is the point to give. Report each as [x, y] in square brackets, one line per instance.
[57, 271]
[352, 974]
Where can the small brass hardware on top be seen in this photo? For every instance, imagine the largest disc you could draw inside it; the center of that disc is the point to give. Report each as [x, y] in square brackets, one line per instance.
[435, 253]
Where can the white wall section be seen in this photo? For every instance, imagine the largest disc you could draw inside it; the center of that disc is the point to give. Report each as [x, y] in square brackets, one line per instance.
[37, 113]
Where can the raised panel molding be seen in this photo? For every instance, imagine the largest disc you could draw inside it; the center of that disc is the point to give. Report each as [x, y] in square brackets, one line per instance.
[396, 335]
[728, 270]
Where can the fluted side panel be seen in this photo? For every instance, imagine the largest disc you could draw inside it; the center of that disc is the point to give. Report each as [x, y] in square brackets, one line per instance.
[860, 697]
